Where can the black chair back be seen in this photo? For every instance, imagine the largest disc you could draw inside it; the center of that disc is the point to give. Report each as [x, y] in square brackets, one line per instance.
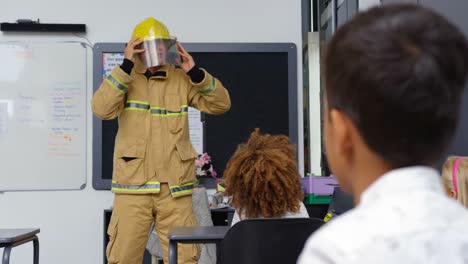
[257, 241]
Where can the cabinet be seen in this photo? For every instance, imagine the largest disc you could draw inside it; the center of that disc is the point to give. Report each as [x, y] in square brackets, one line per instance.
[455, 11]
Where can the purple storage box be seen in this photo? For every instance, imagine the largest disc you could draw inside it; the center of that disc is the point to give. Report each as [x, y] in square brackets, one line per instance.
[319, 185]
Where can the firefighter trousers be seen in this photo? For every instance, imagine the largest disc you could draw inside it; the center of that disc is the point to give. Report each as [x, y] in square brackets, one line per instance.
[131, 220]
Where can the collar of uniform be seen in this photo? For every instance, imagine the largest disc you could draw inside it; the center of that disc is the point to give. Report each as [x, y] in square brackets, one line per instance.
[161, 73]
[403, 181]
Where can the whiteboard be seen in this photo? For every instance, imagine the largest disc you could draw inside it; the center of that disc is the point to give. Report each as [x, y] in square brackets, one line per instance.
[42, 116]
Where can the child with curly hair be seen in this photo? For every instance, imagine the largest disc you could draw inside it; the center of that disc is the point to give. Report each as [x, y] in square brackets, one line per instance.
[263, 179]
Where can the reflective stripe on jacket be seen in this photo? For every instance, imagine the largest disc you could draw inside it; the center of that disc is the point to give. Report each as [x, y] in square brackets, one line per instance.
[152, 144]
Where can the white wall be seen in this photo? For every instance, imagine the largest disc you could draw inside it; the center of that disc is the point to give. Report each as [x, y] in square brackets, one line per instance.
[366, 4]
[71, 222]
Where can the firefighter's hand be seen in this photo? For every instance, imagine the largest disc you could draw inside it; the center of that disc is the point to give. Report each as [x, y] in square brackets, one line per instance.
[131, 50]
[185, 61]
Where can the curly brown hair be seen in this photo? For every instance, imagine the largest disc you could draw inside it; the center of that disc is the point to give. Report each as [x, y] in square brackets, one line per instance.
[262, 177]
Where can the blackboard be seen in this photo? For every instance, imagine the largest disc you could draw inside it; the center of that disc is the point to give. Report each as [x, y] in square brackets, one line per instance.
[262, 82]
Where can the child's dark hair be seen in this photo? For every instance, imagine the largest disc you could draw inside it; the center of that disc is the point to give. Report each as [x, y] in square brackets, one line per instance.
[398, 72]
[262, 177]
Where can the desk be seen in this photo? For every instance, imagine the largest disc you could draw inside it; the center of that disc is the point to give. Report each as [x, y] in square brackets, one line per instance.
[193, 235]
[10, 238]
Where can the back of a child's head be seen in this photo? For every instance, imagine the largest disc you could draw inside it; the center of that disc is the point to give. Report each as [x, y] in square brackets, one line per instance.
[262, 177]
[455, 170]
[398, 73]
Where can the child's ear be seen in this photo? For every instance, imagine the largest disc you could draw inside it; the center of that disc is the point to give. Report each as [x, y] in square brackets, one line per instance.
[342, 134]
[339, 146]
[452, 194]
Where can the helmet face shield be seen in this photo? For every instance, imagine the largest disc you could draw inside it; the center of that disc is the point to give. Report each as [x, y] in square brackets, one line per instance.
[160, 48]
[159, 52]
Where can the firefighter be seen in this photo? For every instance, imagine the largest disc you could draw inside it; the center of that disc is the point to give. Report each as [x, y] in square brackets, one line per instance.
[154, 169]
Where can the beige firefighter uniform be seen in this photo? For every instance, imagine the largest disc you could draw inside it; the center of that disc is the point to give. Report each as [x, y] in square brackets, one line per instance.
[154, 169]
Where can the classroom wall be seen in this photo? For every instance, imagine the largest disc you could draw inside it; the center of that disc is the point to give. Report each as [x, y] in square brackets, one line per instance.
[366, 4]
[71, 222]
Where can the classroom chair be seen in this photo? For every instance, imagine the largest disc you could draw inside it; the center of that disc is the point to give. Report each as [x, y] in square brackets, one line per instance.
[257, 241]
[10, 238]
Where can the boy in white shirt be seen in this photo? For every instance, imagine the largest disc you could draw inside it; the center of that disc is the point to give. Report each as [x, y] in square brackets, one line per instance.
[394, 81]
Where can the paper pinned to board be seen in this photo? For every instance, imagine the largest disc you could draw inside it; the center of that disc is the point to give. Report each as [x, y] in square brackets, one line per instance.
[196, 129]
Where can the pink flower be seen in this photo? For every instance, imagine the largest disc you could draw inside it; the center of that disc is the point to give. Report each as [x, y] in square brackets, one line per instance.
[204, 167]
[213, 173]
[206, 157]
[199, 163]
